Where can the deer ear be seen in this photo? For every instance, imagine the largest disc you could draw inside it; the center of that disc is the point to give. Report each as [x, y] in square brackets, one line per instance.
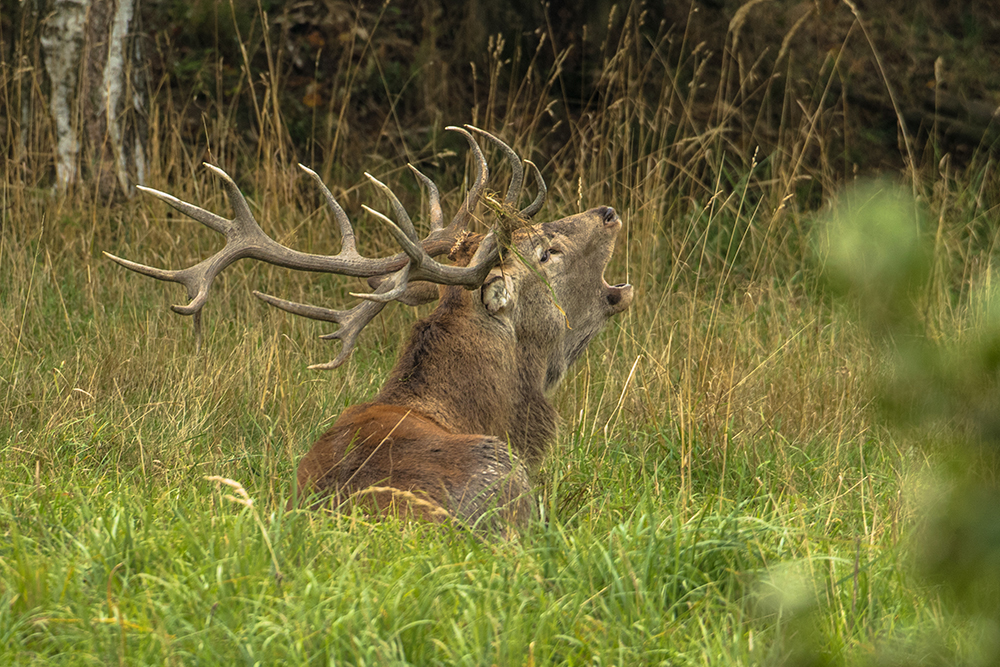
[498, 293]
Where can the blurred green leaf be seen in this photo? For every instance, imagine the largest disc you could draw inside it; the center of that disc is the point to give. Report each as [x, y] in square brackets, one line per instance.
[876, 254]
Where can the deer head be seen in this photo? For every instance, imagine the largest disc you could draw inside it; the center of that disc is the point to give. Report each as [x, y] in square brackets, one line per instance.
[550, 290]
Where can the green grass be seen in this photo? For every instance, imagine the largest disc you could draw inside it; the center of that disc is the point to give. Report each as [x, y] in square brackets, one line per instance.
[728, 485]
[719, 493]
[124, 570]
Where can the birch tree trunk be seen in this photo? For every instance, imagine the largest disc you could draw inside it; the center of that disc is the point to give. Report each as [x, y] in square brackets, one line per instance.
[97, 93]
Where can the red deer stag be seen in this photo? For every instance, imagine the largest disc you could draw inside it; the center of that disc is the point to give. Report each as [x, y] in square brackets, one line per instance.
[463, 418]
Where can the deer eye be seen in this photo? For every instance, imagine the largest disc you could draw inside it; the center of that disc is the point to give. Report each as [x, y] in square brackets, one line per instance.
[546, 254]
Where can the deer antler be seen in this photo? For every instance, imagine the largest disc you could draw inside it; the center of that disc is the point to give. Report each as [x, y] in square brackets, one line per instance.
[245, 238]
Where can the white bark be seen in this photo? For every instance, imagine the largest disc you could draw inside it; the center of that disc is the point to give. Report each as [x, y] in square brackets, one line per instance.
[92, 55]
[62, 41]
[113, 87]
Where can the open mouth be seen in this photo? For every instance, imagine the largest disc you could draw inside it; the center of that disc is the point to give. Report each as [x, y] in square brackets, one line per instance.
[618, 297]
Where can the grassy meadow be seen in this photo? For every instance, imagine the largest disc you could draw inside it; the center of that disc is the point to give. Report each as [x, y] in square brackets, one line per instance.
[738, 478]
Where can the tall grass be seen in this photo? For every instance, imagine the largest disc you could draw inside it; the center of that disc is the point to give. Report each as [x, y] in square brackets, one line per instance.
[722, 489]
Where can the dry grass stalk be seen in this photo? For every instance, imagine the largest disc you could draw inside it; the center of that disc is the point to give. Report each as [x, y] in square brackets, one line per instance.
[244, 498]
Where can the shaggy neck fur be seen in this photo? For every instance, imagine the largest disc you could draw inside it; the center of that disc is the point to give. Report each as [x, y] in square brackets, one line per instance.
[470, 374]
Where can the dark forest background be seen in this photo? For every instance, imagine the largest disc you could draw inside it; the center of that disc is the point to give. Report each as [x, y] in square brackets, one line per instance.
[332, 82]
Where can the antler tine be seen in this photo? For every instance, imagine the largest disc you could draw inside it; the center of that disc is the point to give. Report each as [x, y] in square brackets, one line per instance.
[470, 277]
[397, 208]
[302, 309]
[517, 172]
[351, 322]
[151, 271]
[244, 218]
[207, 218]
[347, 242]
[437, 217]
[198, 278]
[534, 207]
[413, 250]
[424, 267]
[392, 294]
[189, 278]
[461, 219]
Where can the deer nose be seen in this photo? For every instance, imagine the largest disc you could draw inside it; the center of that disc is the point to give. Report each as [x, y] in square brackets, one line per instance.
[607, 214]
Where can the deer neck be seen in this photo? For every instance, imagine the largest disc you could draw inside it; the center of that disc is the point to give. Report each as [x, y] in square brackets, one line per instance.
[469, 373]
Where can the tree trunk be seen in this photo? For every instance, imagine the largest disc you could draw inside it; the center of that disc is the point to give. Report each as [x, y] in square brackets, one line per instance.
[97, 91]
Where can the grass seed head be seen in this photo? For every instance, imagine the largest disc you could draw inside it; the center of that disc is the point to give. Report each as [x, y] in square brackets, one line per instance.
[244, 497]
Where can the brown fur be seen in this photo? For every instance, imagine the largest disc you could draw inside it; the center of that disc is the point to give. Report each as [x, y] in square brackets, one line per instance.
[464, 418]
